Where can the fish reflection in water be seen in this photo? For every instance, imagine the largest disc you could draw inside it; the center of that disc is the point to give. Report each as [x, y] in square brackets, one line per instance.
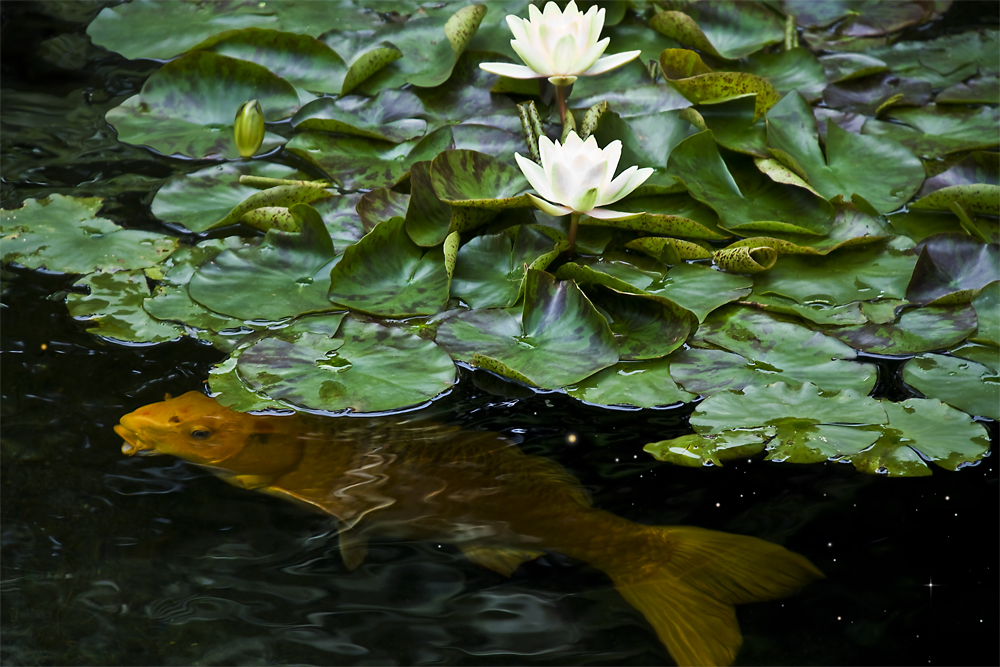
[501, 507]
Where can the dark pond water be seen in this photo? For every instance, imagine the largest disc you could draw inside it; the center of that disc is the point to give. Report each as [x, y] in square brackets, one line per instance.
[108, 560]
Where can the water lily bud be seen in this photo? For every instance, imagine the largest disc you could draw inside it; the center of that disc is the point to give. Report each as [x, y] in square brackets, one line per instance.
[248, 129]
[559, 45]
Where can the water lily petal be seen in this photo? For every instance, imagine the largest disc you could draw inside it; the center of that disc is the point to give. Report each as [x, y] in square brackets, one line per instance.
[512, 71]
[634, 180]
[516, 26]
[534, 14]
[610, 62]
[585, 201]
[565, 182]
[552, 209]
[533, 58]
[612, 154]
[564, 55]
[536, 176]
[590, 56]
[596, 22]
[608, 214]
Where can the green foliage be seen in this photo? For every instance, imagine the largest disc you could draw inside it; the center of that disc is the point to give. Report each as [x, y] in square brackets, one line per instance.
[802, 208]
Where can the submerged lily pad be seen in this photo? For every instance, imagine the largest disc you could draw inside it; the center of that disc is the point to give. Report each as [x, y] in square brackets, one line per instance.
[288, 270]
[64, 234]
[187, 107]
[557, 339]
[363, 367]
[643, 384]
[389, 275]
[963, 384]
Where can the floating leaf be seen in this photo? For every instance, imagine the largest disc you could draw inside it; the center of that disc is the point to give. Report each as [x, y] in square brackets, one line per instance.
[646, 327]
[744, 198]
[380, 205]
[933, 131]
[840, 67]
[872, 95]
[735, 128]
[850, 313]
[880, 170]
[362, 163]
[745, 260]
[367, 64]
[700, 450]
[471, 179]
[918, 330]
[951, 269]
[976, 198]
[922, 430]
[558, 338]
[490, 269]
[199, 200]
[669, 215]
[301, 60]
[788, 70]
[987, 306]
[429, 220]
[64, 235]
[963, 384]
[722, 29]
[389, 275]
[113, 309]
[759, 348]
[187, 107]
[875, 271]
[974, 168]
[289, 273]
[714, 87]
[644, 384]
[392, 115]
[364, 367]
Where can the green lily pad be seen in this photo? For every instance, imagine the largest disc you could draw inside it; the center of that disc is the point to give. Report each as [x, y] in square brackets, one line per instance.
[172, 305]
[643, 384]
[863, 18]
[364, 367]
[471, 179]
[557, 339]
[875, 271]
[880, 170]
[758, 348]
[952, 268]
[187, 107]
[874, 94]
[942, 61]
[647, 140]
[388, 275]
[841, 315]
[840, 67]
[987, 306]
[288, 273]
[708, 87]
[696, 450]
[645, 326]
[963, 384]
[744, 199]
[430, 45]
[392, 115]
[976, 167]
[917, 330]
[722, 29]
[229, 390]
[734, 126]
[380, 205]
[429, 220]
[631, 101]
[933, 131]
[920, 224]
[669, 215]
[490, 269]
[63, 234]
[341, 218]
[987, 355]
[788, 70]
[302, 60]
[922, 430]
[973, 198]
[851, 227]
[199, 200]
[360, 163]
[981, 89]
[113, 309]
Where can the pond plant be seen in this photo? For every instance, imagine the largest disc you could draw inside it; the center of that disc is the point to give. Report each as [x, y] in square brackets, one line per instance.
[365, 199]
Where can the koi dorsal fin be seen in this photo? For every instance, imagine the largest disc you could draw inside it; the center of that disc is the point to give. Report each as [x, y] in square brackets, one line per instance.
[499, 559]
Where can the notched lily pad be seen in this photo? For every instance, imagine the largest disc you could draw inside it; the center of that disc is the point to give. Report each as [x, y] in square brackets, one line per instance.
[64, 234]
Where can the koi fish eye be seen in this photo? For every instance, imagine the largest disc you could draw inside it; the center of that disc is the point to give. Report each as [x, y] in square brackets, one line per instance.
[200, 434]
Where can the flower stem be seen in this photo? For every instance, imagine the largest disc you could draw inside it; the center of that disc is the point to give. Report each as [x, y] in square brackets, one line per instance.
[561, 100]
[574, 221]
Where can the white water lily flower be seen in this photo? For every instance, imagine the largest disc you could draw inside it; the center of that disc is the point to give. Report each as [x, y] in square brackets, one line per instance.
[559, 45]
[578, 175]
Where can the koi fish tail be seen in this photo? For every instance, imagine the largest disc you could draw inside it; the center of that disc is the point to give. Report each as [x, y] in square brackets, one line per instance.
[688, 580]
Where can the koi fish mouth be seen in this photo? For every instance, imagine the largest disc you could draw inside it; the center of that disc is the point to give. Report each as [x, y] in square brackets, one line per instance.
[133, 443]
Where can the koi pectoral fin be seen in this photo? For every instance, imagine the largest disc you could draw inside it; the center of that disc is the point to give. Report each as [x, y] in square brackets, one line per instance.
[353, 548]
[499, 559]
